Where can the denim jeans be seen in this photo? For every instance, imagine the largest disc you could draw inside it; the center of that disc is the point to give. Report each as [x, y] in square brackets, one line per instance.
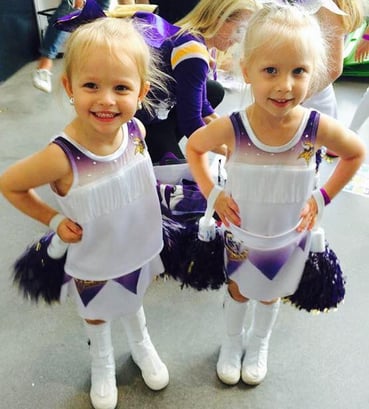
[54, 38]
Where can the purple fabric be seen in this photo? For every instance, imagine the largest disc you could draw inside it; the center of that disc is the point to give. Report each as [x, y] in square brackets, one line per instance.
[167, 193]
[91, 11]
[193, 200]
[79, 160]
[129, 281]
[89, 289]
[154, 28]
[191, 97]
[169, 159]
[268, 262]
[188, 90]
[181, 200]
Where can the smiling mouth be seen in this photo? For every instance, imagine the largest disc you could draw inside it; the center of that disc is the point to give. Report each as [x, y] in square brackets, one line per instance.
[105, 115]
[281, 101]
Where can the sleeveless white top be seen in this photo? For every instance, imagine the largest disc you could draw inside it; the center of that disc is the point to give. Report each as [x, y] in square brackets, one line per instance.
[271, 185]
[115, 201]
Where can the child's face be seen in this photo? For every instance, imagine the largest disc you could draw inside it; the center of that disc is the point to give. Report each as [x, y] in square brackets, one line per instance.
[106, 90]
[280, 77]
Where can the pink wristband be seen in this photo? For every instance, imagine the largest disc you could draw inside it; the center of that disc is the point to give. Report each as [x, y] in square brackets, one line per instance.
[326, 198]
[365, 37]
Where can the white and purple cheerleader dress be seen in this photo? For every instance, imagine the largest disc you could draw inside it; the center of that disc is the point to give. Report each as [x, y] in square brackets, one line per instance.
[114, 199]
[271, 185]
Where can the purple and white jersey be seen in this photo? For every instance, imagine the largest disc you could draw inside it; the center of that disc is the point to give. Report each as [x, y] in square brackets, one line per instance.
[271, 185]
[115, 201]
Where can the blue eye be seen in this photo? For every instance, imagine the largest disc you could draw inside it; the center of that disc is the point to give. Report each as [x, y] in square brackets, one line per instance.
[121, 88]
[90, 85]
[298, 71]
[271, 70]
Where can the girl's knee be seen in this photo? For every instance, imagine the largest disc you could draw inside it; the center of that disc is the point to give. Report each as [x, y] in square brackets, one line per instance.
[235, 292]
[95, 322]
[270, 302]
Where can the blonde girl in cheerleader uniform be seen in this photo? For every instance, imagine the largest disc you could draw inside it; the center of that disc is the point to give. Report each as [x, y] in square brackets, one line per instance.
[269, 203]
[102, 178]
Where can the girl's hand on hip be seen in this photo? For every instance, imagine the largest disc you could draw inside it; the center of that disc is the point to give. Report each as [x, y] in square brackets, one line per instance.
[308, 215]
[227, 209]
[69, 231]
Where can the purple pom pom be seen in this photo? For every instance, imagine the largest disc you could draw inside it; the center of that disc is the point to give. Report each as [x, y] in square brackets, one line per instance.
[204, 265]
[322, 286]
[192, 262]
[175, 237]
[37, 275]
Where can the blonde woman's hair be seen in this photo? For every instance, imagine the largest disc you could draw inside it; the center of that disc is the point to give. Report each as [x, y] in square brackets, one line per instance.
[113, 33]
[354, 10]
[275, 26]
[209, 15]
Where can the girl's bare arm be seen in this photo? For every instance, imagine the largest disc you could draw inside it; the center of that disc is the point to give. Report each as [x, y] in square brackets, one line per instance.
[19, 181]
[208, 138]
[347, 145]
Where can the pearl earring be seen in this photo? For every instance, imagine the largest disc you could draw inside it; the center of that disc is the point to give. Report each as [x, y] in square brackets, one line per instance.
[139, 104]
[71, 100]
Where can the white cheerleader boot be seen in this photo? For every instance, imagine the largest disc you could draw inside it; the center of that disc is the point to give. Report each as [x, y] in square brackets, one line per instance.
[154, 372]
[254, 366]
[103, 393]
[231, 350]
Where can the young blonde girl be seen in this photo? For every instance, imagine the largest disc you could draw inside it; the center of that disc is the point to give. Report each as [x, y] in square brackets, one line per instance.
[269, 204]
[103, 181]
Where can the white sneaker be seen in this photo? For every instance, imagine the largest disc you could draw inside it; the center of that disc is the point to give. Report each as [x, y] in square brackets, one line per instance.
[42, 80]
[154, 371]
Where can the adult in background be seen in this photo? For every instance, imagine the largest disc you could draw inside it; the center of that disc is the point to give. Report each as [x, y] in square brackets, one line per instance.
[188, 58]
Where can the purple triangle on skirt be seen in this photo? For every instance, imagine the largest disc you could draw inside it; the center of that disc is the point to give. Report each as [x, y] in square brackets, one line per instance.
[129, 281]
